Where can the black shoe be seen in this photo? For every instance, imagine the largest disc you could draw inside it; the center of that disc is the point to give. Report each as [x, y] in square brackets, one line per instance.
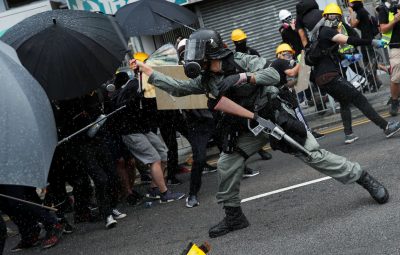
[174, 181]
[394, 107]
[264, 155]
[377, 190]
[317, 135]
[68, 229]
[134, 199]
[234, 220]
[248, 172]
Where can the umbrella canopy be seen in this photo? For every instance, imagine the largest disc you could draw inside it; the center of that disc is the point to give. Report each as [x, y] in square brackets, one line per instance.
[70, 53]
[153, 17]
[28, 134]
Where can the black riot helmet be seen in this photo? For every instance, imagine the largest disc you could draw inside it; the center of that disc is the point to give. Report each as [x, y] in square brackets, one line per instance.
[203, 45]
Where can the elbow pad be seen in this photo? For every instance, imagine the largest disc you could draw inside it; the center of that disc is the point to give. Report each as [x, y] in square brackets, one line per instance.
[358, 42]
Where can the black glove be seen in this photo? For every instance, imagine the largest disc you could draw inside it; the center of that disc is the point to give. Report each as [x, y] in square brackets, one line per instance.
[231, 81]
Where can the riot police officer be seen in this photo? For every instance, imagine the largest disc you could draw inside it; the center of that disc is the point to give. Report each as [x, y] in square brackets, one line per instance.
[215, 71]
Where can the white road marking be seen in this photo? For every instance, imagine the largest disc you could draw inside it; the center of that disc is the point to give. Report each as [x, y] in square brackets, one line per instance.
[285, 189]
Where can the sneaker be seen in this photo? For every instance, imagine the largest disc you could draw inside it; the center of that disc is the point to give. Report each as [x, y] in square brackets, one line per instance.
[68, 229]
[392, 128]
[192, 201]
[171, 196]
[117, 214]
[248, 172]
[348, 139]
[110, 222]
[23, 245]
[317, 135]
[145, 178]
[174, 181]
[153, 193]
[53, 236]
[134, 200]
[209, 169]
[394, 107]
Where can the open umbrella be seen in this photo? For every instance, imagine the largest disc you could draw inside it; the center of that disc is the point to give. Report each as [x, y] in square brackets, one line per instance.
[69, 52]
[153, 17]
[28, 134]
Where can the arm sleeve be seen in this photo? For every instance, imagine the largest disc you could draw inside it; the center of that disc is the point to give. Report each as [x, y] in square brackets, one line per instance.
[176, 87]
[358, 42]
[256, 65]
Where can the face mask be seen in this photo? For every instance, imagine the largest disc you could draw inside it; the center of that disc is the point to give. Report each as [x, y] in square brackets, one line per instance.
[109, 87]
[192, 69]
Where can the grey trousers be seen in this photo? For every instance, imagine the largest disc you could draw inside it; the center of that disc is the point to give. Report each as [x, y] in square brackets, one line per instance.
[231, 166]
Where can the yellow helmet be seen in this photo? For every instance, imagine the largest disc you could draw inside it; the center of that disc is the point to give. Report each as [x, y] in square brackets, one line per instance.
[238, 35]
[352, 1]
[332, 8]
[141, 56]
[284, 47]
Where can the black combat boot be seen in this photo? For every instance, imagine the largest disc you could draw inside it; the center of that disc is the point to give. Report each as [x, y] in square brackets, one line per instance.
[377, 190]
[234, 220]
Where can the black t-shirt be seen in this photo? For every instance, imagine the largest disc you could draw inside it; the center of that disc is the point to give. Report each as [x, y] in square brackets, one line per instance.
[384, 19]
[309, 20]
[365, 24]
[292, 38]
[281, 65]
[327, 64]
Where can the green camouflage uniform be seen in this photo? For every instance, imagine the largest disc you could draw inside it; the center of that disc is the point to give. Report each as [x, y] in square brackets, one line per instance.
[231, 166]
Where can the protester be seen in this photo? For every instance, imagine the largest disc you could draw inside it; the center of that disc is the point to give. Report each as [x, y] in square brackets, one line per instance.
[201, 127]
[288, 31]
[141, 142]
[328, 78]
[245, 86]
[367, 24]
[389, 18]
[27, 217]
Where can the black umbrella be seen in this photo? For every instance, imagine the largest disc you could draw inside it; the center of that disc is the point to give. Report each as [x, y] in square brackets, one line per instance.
[28, 134]
[69, 52]
[153, 17]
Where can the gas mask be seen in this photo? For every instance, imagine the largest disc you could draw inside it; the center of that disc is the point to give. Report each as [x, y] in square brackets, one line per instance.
[286, 22]
[333, 20]
[195, 54]
[108, 87]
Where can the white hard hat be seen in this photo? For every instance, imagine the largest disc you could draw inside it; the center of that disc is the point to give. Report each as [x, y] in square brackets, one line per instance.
[182, 43]
[283, 14]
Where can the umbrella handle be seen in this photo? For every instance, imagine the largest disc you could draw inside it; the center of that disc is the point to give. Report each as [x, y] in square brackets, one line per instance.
[29, 203]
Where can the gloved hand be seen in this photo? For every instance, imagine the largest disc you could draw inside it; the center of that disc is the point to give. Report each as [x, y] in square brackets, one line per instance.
[231, 81]
[378, 43]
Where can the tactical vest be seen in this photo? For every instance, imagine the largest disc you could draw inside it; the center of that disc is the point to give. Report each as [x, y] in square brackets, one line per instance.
[386, 37]
[346, 48]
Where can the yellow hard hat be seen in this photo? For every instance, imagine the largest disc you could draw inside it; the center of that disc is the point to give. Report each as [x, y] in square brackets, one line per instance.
[141, 56]
[352, 1]
[284, 47]
[238, 35]
[332, 8]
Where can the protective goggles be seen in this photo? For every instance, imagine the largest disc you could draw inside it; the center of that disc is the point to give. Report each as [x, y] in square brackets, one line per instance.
[288, 19]
[334, 17]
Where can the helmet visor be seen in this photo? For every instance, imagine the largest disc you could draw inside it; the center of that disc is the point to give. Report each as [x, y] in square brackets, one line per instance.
[195, 50]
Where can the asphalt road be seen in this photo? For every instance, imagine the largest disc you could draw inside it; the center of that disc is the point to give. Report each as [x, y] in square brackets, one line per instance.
[321, 218]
